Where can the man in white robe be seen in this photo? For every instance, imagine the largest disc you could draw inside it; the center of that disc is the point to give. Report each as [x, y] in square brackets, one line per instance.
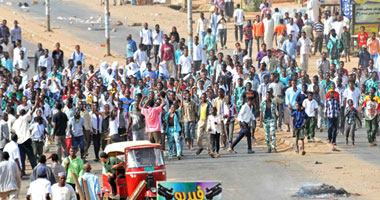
[268, 31]
[313, 9]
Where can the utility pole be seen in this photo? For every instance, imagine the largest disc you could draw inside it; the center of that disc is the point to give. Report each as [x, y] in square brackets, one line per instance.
[190, 25]
[47, 13]
[107, 28]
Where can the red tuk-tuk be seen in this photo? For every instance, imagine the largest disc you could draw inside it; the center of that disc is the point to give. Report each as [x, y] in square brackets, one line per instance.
[143, 161]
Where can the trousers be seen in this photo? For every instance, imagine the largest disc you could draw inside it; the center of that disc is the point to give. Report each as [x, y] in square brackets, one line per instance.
[87, 140]
[310, 127]
[37, 148]
[156, 137]
[371, 128]
[238, 28]
[229, 129]
[60, 142]
[332, 124]
[26, 149]
[270, 132]
[223, 37]
[214, 139]
[350, 130]
[9, 195]
[248, 47]
[202, 126]
[244, 131]
[96, 139]
[174, 143]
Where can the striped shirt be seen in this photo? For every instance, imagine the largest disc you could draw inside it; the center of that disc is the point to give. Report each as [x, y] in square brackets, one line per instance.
[332, 108]
[318, 26]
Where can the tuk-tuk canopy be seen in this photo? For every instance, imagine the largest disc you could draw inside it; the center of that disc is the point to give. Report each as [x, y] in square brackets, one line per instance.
[119, 147]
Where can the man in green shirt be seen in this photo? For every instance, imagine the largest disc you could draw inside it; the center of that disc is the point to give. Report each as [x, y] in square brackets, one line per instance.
[210, 42]
[111, 164]
[346, 41]
[74, 164]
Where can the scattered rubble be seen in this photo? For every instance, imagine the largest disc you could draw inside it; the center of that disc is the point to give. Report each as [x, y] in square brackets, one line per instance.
[117, 23]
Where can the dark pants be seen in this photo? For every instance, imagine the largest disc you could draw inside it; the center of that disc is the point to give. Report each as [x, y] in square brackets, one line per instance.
[87, 140]
[112, 182]
[78, 141]
[214, 140]
[148, 48]
[318, 44]
[240, 29]
[245, 131]
[1, 154]
[341, 121]
[197, 64]
[115, 138]
[156, 51]
[223, 37]
[248, 47]
[27, 149]
[96, 140]
[332, 124]
[229, 9]
[37, 148]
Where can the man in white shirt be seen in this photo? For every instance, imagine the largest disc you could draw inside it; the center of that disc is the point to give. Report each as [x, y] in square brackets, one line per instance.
[198, 55]
[10, 179]
[185, 64]
[146, 38]
[16, 51]
[61, 190]
[158, 38]
[338, 26]
[13, 151]
[239, 19]
[305, 49]
[46, 61]
[311, 109]
[202, 26]
[245, 117]
[328, 26]
[21, 128]
[313, 9]
[39, 189]
[78, 56]
[292, 28]
[353, 93]
[222, 29]
[140, 55]
[22, 64]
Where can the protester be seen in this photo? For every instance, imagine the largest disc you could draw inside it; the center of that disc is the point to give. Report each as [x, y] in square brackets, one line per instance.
[298, 117]
[10, 179]
[94, 189]
[41, 187]
[61, 190]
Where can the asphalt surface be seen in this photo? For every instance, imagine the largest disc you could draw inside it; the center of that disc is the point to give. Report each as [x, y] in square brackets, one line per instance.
[361, 148]
[76, 20]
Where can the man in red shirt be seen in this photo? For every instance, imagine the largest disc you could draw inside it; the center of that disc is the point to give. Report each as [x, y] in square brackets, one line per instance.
[167, 55]
[362, 37]
[248, 36]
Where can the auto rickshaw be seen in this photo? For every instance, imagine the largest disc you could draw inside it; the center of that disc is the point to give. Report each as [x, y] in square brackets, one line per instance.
[143, 161]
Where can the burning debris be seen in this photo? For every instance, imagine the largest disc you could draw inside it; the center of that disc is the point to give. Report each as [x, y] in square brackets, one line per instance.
[321, 191]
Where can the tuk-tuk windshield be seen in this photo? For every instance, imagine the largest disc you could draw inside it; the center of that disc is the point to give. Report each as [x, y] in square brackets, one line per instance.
[144, 158]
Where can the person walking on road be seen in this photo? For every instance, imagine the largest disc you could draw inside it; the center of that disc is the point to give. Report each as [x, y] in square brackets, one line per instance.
[61, 190]
[60, 121]
[245, 117]
[371, 111]
[332, 113]
[351, 115]
[268, 115]
[299, 117]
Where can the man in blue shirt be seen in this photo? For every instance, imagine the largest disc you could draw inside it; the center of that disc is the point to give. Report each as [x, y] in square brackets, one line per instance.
[131, 46]
[290, 47]
[298, 117]
[94, 189]
[290, 100]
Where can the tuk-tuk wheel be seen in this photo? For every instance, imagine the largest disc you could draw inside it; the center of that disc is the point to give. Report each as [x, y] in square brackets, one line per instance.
[150, 198]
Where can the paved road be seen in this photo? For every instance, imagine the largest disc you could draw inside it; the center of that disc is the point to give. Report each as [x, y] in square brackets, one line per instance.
[62, 12]
[361, 149]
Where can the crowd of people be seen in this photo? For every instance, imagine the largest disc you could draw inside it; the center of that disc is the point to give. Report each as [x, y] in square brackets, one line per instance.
[182, 97]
